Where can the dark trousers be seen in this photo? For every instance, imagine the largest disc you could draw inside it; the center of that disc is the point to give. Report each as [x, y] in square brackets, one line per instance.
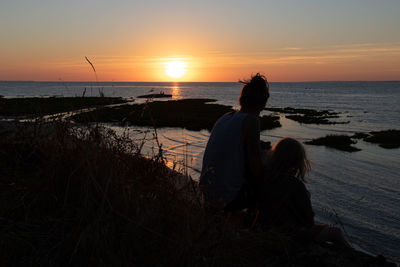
[245, 199]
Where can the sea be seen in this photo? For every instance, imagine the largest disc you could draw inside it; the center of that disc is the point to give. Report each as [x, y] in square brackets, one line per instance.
[358, 191]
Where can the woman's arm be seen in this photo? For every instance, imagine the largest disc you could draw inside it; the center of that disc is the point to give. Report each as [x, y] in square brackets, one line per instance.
[251, 136]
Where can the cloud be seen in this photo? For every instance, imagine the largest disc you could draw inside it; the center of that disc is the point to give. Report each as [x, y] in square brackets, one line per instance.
[292, 48]
[313, 55]
[335, 54]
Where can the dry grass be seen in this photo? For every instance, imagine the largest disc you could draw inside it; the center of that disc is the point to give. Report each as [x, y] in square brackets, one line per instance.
[86, 197]
[93, 201]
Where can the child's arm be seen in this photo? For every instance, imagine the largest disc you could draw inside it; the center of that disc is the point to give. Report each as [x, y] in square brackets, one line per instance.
[303, 209]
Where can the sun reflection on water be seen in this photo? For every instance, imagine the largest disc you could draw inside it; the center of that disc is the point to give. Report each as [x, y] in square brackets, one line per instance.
[176, 91]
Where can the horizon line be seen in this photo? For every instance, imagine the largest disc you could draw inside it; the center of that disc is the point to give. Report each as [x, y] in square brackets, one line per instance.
[308, 81]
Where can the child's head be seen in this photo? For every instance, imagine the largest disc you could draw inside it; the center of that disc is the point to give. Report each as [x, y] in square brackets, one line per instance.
[289, 157]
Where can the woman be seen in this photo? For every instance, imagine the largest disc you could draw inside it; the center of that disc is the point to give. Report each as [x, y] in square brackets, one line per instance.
[232, 162]
[286, 203]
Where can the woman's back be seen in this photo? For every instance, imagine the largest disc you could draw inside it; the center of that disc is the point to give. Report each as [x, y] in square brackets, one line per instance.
[223, 170]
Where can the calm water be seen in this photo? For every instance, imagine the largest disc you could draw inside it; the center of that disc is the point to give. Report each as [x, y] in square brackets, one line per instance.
[362, 188]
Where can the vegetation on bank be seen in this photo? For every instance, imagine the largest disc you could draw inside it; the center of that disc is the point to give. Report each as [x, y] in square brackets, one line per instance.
[88, 198]
[359, 135]
[388, 139]
[192, 114]
[159, 95]
[269, 122]
[304, 111]
[313, 120]
[340, 142]
[308, 116]
[51, 105]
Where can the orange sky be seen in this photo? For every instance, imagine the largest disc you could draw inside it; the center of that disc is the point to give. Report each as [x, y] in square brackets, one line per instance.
[312, 41]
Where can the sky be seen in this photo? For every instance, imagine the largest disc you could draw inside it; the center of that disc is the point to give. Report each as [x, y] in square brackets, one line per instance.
[215, 40]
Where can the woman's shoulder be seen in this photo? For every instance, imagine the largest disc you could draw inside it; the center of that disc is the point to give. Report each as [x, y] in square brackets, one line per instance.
[250, 121]
[248, 116]
[232, 115]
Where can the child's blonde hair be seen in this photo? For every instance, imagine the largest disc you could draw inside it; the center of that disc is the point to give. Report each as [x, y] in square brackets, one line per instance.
[289, 157]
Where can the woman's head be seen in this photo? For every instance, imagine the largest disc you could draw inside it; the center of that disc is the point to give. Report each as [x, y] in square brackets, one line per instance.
[289, 157]
[255, 92]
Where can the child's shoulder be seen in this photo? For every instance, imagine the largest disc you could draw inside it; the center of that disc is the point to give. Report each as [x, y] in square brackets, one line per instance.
[295, 182]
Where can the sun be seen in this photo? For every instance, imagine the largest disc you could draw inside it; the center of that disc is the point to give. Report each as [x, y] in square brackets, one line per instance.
[175, 68]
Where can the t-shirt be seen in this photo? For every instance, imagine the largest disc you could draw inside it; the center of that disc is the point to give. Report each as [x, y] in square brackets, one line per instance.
[223, 170]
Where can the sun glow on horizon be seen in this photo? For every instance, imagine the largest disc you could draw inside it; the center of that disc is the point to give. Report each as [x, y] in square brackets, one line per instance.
[175, 68]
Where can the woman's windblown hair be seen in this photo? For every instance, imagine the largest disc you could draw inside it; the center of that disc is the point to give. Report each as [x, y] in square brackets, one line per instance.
[255, 91]
[289, 158]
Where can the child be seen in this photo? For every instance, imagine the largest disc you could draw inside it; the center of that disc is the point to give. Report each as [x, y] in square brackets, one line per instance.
[285, 203]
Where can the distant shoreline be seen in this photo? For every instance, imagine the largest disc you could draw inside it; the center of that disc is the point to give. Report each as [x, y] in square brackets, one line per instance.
[328, 81]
